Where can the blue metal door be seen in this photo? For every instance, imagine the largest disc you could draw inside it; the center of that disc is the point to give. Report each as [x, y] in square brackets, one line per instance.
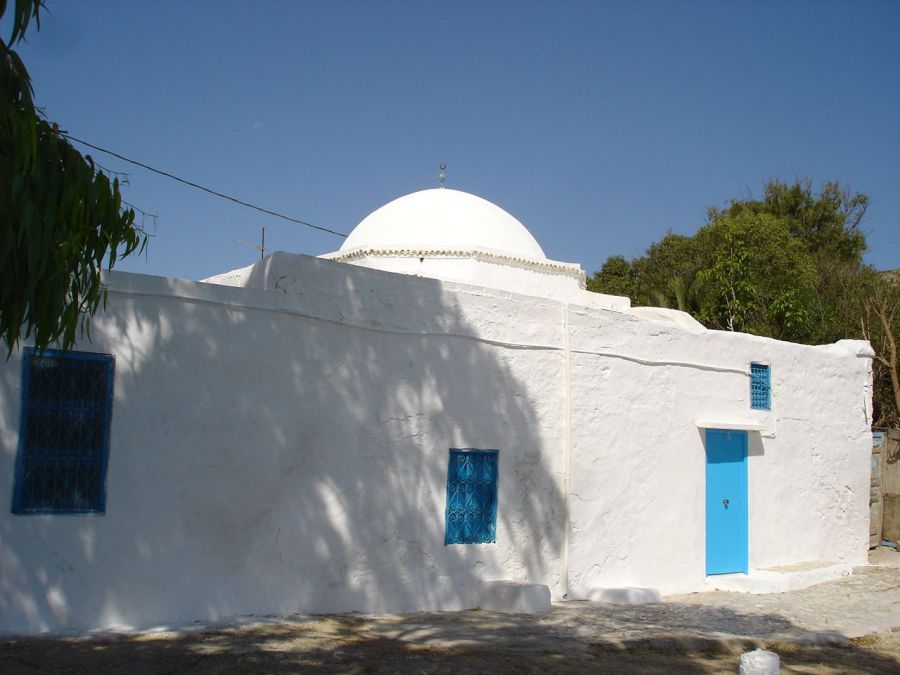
[726, 501]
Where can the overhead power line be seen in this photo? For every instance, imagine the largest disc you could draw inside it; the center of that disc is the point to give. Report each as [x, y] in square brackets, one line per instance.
[201, 187]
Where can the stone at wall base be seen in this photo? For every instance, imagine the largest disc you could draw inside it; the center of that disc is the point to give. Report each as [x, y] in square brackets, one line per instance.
[513, 597]
[628, 595]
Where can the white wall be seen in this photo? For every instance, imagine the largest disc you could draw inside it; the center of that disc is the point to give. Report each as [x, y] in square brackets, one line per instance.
[563, 282]
[286, 450]
[264, 461]
[638, 458]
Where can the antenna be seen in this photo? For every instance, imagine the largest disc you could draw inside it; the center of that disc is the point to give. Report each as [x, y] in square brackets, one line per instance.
[261, 247]
[442, 176]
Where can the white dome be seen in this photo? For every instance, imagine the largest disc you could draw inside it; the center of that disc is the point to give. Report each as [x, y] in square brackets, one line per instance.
[443, 220]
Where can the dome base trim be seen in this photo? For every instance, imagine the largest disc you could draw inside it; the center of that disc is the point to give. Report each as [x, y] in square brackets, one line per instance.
[571, 269]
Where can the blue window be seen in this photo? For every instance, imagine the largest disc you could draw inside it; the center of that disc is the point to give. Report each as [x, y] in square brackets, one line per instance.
[64, 434]
[760, 387]
[471, 497]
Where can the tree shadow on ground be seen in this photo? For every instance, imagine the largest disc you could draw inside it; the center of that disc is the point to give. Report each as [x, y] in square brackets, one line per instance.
[495, 643]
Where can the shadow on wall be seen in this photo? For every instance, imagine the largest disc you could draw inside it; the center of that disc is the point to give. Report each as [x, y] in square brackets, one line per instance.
[263, 462]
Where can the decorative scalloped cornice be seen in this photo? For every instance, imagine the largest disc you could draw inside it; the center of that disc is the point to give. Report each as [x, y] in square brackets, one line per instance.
[571, 269]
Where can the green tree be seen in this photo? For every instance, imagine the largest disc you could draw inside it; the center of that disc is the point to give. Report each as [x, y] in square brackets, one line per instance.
[826, 223]
[672, 257]
[645, 278]
[684, 293]
[880, 324]
[758, 278]
[61, 220]
[615, 277]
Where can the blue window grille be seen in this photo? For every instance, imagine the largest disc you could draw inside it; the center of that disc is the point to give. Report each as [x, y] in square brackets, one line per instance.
[64, 433]
[471, 497]
[760, 387]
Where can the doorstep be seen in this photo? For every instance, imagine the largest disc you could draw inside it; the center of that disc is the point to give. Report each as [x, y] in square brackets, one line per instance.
[779, 579]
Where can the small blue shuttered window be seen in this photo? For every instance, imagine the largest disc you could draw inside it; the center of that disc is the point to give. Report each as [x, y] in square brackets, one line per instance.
[64, 434]
[760, 387]
[471, 497]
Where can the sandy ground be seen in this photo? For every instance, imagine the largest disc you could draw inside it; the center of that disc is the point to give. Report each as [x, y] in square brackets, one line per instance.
[346, 645]
[815, 630]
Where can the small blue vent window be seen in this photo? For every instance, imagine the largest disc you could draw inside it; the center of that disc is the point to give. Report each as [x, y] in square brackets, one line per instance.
[64, 434]
[471, 497]
[760, 387]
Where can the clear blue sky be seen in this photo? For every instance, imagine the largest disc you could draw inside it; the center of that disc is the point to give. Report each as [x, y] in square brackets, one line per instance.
[599, 125]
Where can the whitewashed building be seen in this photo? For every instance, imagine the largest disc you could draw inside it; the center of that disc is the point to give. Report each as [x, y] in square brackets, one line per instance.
[381, 429]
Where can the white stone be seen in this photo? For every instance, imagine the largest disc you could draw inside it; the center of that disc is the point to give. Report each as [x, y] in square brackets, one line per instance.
[760, 662]
[513, 597]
